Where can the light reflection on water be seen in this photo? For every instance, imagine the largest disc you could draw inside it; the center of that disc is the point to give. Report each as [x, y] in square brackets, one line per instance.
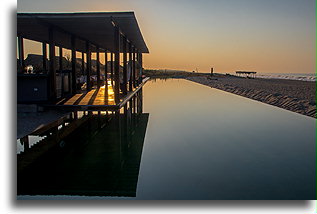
[203, 143]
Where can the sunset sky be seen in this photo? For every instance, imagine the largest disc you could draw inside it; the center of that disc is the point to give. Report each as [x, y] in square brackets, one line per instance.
[267, 36]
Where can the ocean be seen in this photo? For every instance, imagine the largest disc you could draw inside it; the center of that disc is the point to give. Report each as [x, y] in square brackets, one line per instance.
[290, 76]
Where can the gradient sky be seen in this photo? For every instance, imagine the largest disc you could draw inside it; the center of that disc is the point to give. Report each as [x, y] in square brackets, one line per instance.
[273, 36]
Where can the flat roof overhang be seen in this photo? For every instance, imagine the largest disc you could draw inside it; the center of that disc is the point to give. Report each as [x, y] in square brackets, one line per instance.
[97, 28]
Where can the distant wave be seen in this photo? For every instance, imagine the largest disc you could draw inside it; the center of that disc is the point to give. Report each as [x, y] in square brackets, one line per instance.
[301, 77]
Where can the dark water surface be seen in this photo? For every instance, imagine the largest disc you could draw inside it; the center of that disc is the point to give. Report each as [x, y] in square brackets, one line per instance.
[200, 143]
[203, 143]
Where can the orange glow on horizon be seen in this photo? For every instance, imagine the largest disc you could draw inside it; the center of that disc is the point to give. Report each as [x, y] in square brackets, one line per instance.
[234, 37]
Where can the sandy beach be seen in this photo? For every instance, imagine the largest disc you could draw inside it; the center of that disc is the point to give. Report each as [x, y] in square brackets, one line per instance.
[292, 95]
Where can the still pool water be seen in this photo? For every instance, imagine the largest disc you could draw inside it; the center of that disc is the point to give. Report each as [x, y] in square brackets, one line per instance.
[203, 143]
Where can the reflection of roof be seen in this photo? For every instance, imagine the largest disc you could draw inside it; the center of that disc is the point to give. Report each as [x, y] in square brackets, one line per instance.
[94, 27]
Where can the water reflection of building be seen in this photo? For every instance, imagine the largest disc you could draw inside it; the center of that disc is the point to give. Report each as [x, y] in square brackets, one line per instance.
[86, 153]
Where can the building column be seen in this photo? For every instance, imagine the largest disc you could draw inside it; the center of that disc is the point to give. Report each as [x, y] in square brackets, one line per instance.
[60, 59]
[61, 75]
[111, 67]
[130, 67]
[44, 56]
[118, 140]
[141, 67]
[133, 66]
[88, 69]
[74, 78]
[106, 73]
[125, 70]
[21, 53]
[52, 69]
[117, 64]
[98, 68]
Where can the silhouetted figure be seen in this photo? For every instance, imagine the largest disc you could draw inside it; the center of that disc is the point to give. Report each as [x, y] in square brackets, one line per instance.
[211, 72]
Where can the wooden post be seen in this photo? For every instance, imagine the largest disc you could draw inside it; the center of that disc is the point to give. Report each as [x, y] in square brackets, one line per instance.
[125, 76]
[21, 53]
[141, 100]
[88, 52]
[133, 108]
[141, 67]
[60, 59]
[133, 66]
[106, 73]
[52, 70]
[44, 57]
[136, 68]
[117, 64]
[75, 115]
[125, 127]
[98, 68]
[130, 67]
[111, 67]
[118, 137]
[74, 78]
[61, 68]
[82, 63]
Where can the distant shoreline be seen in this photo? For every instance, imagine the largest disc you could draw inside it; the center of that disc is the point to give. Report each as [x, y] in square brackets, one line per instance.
[293, 95]
[168, 73]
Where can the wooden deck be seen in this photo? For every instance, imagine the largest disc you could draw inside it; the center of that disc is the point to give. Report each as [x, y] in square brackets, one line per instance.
[97, 99]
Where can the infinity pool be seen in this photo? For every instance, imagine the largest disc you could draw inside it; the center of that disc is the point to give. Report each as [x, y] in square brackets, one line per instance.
[203, 143]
